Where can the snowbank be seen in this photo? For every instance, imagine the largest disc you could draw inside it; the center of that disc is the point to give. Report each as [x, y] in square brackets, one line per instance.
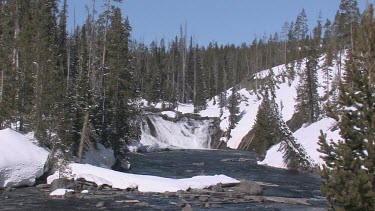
[21, 162]
[144, 183]
[170, 114]
[308, 137]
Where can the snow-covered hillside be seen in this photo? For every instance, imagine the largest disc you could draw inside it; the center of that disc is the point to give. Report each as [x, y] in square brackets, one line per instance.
[285, 97]
[308, 137]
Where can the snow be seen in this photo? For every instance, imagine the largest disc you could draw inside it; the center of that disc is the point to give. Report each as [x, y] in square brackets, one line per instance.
[102, 157]
[308, 137]
[21, 161]
[144, 183]
[274, 158]
[170, 114]
[60, 192]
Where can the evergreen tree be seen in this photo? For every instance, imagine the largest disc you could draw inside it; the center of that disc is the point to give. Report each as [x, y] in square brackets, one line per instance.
[200, 90]
[122, 110]
[308, 100]
[348, 20]
[266, 130]
[234, 110]
[349, 170]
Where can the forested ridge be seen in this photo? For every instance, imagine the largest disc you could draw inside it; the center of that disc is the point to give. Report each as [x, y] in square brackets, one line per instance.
[79, 88]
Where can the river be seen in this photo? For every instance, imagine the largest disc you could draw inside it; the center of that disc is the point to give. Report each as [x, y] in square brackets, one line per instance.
[180, 164]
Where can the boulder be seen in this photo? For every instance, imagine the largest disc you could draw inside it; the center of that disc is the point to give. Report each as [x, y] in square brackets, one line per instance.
[63, 183]
[248, 187]
[21, 161]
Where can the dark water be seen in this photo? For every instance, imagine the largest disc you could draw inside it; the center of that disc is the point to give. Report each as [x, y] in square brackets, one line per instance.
[181, 164]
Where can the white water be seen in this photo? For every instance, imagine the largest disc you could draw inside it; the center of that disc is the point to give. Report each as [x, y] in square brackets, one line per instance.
[189, 134]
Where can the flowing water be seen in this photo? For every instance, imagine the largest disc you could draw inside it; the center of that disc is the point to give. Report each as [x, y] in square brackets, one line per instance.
[180, 164]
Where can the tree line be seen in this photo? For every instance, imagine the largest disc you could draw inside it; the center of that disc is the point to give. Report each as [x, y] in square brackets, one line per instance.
[56, 83]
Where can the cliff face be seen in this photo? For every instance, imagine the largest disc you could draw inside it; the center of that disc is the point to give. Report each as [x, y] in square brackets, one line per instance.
[186, 131]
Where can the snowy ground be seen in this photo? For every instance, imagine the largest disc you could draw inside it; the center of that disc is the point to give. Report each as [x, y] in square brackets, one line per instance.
[144, 183]
[21, 161]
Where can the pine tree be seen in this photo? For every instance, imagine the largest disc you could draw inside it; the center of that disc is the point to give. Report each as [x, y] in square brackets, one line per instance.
[200, 90]
[349, 170]
[234, 110]
[266, 130]
[308, 100]
[122, 110]
[348, 20]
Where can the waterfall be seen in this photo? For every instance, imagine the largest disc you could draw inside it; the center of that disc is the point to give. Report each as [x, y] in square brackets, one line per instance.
[181, 134]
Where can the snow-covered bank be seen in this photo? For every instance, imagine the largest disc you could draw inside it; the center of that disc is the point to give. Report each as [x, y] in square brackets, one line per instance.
[21, 162]
[308, 137]
[144, 183]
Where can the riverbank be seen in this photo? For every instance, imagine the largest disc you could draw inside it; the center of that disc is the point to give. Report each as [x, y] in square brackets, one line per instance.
[241, 165]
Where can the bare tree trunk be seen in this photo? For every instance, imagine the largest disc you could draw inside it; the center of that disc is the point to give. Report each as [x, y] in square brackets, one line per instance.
[2, 85]
[247, 64]
[195, 76]
[103, 62]
[183, 52]
[68, 67]
[83, 137]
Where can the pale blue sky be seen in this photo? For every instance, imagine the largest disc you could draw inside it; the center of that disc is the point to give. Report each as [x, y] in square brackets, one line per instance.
[224, 21]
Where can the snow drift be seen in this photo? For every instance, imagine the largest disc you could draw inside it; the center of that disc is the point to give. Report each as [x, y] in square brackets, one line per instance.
[144, 183]
[21, 162]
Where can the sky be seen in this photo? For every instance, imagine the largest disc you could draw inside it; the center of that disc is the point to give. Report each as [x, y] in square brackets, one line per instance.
[223, 21]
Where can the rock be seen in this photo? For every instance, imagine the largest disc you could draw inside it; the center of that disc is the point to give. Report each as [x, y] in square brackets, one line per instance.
[100, 204]
[187, 208]
[215, 199]
[43, 186]
[168, 194]
[248, 187]
[62, 183]
[217, 188]
[8, 189]
[104, 187]
[203, 198]
[207, 205]
[20, 204]
[69, 195]
[243, 160]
